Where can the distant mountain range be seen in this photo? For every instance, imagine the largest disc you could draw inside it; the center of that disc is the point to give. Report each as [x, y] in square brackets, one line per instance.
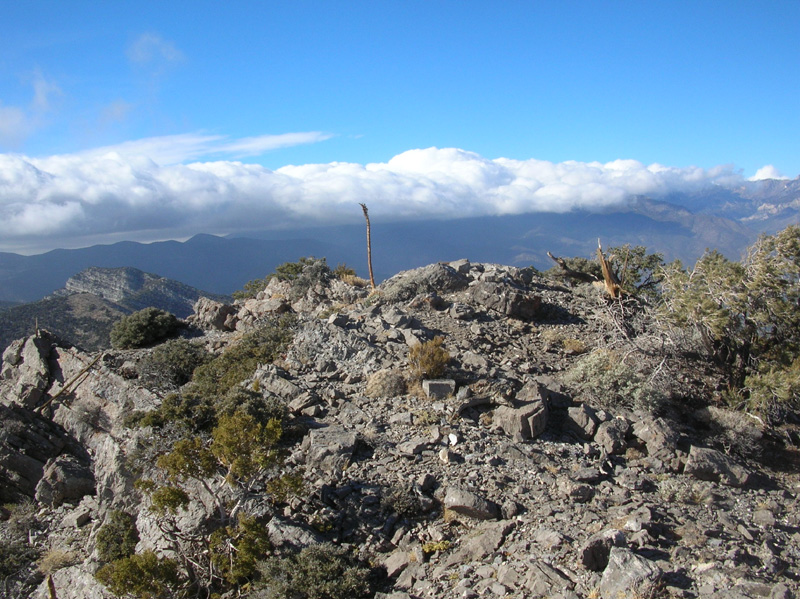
[682, 225]
[84, 311]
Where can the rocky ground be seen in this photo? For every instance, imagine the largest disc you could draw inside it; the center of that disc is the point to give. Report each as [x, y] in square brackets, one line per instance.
[500, 477]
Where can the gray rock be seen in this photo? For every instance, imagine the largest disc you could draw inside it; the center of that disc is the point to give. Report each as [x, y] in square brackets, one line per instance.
[544, 580]
[511, 302]
[597, 548]
[660, 438]
[439, 388]
[439, 278]
[64, 479]
[25, 373]
[713, 465]
[611, 435]
[283, 533]
[210, 314]
[330, 448]
[396, 563]
[582, 420]
[414, 446]
[628, 575]
[469, 504]
[483, 541]
[524, 422]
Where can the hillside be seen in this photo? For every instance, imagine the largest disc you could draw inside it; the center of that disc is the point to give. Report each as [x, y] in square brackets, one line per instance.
[467, 430]
[84, 311]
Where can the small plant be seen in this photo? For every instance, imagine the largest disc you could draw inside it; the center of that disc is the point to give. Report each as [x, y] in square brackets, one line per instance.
[435, 547]
[56, 559]
[428, 359]
[143, 328]
[171, 364]
[603, 377]
[317, 572]
[574, 347]
[117, 538]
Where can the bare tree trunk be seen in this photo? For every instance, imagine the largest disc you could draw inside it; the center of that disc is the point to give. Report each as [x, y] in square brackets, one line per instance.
[369, 246]
[613, 286]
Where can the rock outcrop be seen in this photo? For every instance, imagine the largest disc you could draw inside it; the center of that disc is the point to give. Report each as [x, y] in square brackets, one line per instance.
[504, 484]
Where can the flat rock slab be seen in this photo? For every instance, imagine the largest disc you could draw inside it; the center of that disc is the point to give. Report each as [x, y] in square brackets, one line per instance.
[470, 504]
[439, 388]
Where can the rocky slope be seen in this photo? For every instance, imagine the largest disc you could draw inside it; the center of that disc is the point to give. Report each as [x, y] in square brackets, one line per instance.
[495, 479]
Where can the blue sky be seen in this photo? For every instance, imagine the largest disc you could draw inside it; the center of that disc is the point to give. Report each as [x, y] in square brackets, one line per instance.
[153, 120]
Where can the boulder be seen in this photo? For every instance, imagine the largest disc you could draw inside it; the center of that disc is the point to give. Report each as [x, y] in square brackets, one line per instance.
[713, 465]
[213, 315]
[64, 479]
[438, 278]
[439, 388]
[506, 300]
[628, 575]
[470, 504]
[611, 435]
[25, 373]
[582, 420]
[524, 422]
[597, 548]
[330, 448]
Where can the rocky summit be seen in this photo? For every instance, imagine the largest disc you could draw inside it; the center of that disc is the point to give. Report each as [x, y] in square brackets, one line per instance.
[446, 430]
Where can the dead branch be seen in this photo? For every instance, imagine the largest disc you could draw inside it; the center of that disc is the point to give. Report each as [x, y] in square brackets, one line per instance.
[369, 247]
[584, 277]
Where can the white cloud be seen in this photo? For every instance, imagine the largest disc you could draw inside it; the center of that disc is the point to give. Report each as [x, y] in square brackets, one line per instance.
[767, 172]
[173, 149]
[151, 48]
[140, 189]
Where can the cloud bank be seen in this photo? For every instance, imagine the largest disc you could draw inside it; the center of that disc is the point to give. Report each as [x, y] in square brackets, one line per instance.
[141, 191]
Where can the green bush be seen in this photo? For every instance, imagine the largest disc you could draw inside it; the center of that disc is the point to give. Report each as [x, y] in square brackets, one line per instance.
[117, 538]
[747, 316]
[428, 359]
[144, 576]
[235, 550]
[317, 572]
[240, 361]
[15, 557]
[143, 328]
[171, 364]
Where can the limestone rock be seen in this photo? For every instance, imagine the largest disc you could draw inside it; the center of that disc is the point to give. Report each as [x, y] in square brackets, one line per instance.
[64, 479]
[213, 315]
[506, 300]
[611, 435]
[524, 422]
[710, 464]
[438, 388]
[583, 421]
[470, 504]
[628, 575]
[596, 550]
[329, 448]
